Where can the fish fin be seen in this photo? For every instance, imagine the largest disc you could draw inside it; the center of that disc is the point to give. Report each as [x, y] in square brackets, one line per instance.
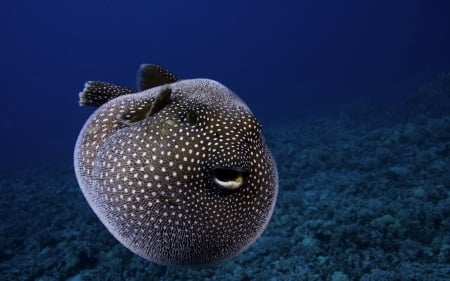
[148, 108]
[150, 75]
[96, 93]
[161, 100]
[135, 114]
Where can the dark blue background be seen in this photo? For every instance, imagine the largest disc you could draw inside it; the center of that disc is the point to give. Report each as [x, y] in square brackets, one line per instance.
[287, 59]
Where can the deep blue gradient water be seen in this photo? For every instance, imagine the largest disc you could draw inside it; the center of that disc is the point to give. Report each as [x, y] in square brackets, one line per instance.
[287, 59]
[291, 61]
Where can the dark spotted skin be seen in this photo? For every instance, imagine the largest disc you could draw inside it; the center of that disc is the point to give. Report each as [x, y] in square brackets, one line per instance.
[151, 181]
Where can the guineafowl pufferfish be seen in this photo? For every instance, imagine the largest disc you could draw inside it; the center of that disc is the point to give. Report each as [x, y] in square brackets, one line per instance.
[177, 171]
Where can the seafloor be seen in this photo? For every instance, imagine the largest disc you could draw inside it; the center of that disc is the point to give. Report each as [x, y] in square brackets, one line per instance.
[364, 195]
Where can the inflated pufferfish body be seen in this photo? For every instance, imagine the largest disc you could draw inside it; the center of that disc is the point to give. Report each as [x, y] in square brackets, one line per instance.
[179, 172]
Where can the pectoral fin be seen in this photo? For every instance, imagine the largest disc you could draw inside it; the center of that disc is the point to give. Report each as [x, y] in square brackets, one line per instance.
[146, 108]
[161, 100]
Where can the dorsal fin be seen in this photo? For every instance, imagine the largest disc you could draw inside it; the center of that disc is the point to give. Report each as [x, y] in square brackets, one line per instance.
[96, 93]
[150, 75]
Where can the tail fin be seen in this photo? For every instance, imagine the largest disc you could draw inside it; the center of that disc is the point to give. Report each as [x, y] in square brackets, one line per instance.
[96, 93]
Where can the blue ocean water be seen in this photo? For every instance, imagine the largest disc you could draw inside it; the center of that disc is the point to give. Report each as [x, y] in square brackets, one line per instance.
[354, 98]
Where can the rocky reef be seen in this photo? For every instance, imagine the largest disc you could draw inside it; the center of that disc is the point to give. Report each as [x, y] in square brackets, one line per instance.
[364, 195]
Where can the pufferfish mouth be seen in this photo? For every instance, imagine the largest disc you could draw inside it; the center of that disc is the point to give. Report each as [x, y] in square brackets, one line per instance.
[229, 178]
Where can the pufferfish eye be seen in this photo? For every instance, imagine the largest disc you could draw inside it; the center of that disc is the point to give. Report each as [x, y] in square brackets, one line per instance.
[191, 117]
